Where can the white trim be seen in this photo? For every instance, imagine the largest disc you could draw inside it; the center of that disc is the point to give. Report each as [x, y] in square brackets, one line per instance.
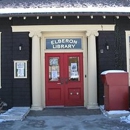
[35, 9]
[128, 52]
[85, 70]
[63, 28]
[0, 62]
[43, 72]
[36, 70]
[127, 49]
[83, 50]
[62, 35]
[92, 70]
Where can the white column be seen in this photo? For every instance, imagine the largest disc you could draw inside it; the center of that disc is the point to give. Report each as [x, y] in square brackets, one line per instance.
[36, 75]
[92, 70]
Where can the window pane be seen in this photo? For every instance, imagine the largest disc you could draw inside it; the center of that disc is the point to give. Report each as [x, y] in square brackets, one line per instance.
[54, 69]
[74, 69]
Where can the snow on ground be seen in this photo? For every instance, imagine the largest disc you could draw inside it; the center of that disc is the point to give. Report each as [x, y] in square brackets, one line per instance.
[15, 113]
[19, 113]
[125, 119]
[122, 114]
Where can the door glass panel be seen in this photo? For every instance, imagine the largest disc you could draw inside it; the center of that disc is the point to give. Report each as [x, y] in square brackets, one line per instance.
[54, 70]
[74, 69]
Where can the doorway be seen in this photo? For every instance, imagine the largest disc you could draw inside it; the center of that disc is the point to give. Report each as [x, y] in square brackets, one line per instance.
[64, 79]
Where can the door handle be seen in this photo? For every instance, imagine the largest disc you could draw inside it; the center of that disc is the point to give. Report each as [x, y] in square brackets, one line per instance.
[66, 80]
[58, 83]
[61, 80]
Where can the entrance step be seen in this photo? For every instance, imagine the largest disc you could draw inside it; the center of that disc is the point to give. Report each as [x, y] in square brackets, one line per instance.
[65, 112]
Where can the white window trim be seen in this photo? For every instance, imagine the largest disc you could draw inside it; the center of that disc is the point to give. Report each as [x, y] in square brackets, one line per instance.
[18, 61]
[128, 52]
[127, 49]
[0, 61]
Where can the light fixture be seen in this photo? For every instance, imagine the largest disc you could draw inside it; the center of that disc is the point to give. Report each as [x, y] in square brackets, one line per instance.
[64, 17]
[117, 17]
[91, 16]
[107, 45]
[77, 17]
[51, 17]
[104, 17]
[24, 18]
[101, 50]
[37, 17]
[10, 18]
[20, 47]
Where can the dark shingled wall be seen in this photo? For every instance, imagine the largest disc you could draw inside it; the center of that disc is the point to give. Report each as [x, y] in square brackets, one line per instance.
[115, 57]
[22, 87]
[7, 62]
[17, 92]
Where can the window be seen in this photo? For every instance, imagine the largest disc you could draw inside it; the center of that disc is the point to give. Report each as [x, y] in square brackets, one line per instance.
[54, 69]
[20, 69]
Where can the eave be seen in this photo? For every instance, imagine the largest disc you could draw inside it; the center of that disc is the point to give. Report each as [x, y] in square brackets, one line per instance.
[95, 11]
[65, 14]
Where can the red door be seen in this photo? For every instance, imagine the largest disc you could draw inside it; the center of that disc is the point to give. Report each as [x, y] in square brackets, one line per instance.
[64, 79]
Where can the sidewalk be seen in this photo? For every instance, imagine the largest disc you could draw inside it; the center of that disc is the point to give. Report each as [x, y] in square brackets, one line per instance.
[66, 119]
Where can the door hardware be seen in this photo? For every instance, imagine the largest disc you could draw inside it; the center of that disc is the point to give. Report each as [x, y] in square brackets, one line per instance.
[62, 80]
[66, 80]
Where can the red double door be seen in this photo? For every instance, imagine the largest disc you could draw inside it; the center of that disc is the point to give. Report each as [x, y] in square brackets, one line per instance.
[64, 79]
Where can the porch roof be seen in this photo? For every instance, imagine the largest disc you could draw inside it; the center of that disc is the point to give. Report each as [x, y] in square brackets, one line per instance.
[64, 7]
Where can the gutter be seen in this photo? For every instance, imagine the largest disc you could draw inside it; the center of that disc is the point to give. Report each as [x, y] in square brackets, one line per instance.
[65, 14]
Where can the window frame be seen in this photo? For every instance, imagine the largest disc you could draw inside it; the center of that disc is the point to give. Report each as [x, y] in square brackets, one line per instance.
[24, 62]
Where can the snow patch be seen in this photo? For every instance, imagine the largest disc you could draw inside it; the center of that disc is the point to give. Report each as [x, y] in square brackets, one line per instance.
[59, 4]
[125, 119]
[15, 113]
[112, 71]
[114, 113]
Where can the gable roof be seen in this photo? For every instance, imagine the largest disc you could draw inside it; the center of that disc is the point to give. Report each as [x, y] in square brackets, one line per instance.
[66, 7]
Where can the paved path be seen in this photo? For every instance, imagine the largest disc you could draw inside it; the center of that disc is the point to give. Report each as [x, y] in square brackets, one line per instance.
[52, 121]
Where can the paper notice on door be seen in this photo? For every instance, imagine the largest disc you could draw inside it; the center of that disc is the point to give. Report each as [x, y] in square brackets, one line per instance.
[74, 75]
[73, 66]
[20, 65]
[54, 74]
[20, 72]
